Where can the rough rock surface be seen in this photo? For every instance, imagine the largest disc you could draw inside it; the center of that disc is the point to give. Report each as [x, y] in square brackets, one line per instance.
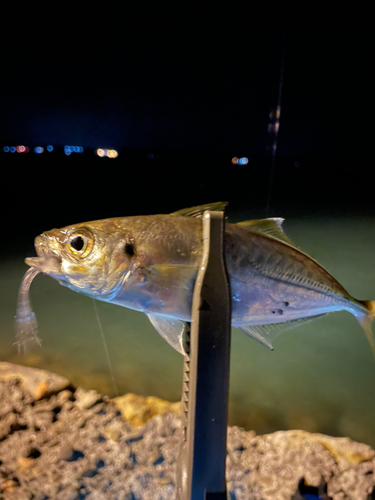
[61, 443]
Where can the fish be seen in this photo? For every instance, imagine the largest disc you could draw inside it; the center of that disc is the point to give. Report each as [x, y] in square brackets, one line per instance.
[149, 263]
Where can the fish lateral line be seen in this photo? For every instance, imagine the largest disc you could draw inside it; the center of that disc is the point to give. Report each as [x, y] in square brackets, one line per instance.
[156, 273]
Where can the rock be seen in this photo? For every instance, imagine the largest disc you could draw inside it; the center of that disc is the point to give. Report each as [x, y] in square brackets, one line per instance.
[138, 409]
[86, 399]
[39, 383]
[347, 486]
[74, 444]
[273, 465]
[6, 424]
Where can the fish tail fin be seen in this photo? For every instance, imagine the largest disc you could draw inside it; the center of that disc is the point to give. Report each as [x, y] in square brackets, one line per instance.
[366, 320]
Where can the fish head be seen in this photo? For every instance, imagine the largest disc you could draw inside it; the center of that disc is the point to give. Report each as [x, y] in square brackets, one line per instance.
[89, 258]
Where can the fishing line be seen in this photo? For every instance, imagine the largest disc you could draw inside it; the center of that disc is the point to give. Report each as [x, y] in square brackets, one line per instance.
[105, 348]
[276, 126]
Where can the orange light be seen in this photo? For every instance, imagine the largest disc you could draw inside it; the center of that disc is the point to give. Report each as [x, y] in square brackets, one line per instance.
[235, 160]
[112, 153]
[100, 152]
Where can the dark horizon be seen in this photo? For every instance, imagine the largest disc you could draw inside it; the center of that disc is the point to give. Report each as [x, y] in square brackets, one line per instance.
[194, 91]
[137, 184]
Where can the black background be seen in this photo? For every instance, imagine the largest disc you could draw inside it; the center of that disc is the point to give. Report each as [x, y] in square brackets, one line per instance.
[178, 94]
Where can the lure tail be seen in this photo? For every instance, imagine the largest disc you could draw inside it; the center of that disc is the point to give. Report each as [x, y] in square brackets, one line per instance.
[366, 320]
[26, 326]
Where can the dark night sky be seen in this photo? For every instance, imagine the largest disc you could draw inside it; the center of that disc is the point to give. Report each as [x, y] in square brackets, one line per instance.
[194, 88]
[188, 81]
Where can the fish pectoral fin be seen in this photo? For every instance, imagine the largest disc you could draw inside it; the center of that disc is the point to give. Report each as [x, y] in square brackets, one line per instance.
[266, 334]
[199, 210]
[171, 330]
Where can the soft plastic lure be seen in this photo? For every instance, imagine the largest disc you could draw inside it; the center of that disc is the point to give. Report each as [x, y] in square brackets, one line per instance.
[26, 325]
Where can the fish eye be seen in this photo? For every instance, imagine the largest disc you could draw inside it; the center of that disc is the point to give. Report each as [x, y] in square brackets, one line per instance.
[80, 244]
[77, 243]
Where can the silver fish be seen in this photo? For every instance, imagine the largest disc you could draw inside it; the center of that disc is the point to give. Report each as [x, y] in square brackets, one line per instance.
[150, 263]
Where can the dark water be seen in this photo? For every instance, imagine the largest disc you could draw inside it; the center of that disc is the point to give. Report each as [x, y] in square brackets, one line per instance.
[320, 377]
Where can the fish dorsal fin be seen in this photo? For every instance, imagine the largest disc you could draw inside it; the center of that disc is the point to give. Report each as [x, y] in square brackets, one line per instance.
[271, 227]
[198, 211]
[170, 329]
[266, 334]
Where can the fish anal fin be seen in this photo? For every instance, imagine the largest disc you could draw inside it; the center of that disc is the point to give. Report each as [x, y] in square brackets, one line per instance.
[199, 210]
[256, 332]
[171, 330]
[266, 334]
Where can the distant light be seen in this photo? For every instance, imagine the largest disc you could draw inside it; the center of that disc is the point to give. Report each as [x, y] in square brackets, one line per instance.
[38, 150]
[101, 152]
[235, 160]
[49, 148]
[112, 153]
[72, 149]
[6, 149]
[20, 149]
[243, 161]
[12, 149]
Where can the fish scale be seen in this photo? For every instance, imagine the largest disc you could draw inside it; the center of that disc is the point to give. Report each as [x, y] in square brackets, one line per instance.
[291, 271]
[150, 263]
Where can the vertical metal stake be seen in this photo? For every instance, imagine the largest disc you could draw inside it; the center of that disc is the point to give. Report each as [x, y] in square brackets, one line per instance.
[201, 473]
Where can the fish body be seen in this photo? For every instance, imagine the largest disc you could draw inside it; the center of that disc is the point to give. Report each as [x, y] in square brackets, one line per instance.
[150, 264]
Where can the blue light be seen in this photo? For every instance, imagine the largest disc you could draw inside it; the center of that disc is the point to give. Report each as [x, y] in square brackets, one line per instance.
[67, 152]
[243, 161]
[12, 149]
[80, 149]
[38, 150]
[6, 149]
[49, 148]
[67, 149]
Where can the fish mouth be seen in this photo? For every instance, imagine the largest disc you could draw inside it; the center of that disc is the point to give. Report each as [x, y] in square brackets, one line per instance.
[48, 264]
[48, 260]
[34, 262]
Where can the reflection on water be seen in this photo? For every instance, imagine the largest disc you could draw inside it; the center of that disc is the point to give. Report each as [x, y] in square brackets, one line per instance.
[321, 376]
